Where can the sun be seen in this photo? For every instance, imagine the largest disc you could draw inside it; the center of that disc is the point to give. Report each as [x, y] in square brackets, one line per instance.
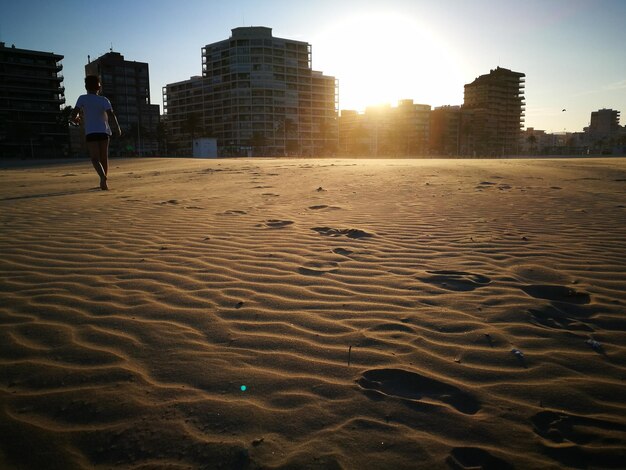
[384, 57]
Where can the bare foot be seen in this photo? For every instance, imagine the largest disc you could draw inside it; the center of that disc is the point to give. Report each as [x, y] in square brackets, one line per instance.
[103, 184]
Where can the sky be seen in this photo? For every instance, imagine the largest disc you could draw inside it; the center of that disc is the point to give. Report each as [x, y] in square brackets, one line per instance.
[573, 52]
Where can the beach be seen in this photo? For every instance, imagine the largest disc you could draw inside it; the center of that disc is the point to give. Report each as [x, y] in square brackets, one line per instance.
[314, 313]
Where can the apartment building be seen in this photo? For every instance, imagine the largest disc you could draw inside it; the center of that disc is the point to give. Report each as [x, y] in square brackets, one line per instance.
[604, 123]
[258, 95]
[385, 130]
[31, 96]
[445, 131]
[366, 134]
[183, 109]
[127, 85]
[495, 102]
[604, 134]
[354, 136]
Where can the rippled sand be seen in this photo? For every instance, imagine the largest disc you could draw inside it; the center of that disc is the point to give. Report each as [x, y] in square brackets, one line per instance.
[357, 314]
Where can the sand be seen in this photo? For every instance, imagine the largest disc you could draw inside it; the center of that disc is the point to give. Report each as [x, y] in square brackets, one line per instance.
[325, 313]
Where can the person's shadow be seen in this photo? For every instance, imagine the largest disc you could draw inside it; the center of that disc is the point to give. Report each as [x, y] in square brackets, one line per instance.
[62, 193]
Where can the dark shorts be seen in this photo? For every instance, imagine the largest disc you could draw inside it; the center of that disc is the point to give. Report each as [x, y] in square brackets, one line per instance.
[97, 137]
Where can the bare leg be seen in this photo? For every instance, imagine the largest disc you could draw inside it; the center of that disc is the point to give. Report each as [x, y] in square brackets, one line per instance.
[94, 153]
[104, 155]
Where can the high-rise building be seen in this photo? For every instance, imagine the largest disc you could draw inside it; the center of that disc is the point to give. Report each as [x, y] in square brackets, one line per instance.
[127, 85]
[496, 105]
[258, 95]
[604, 123]
[445, 131]
[31, 95]
[354, 134]
[413, 128]
[368, 133]
[604, 134]
[386, 131]
[184, 111]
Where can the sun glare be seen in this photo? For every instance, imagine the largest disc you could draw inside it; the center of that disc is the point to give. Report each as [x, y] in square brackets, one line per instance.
[384, 57]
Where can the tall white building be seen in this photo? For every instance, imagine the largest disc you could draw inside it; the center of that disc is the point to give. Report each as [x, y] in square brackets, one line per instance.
[258, 95]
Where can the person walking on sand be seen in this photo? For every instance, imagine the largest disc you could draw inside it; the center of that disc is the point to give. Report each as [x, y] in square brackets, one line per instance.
[96, 112]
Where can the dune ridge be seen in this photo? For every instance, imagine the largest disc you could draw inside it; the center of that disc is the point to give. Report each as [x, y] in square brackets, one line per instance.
[283, 313]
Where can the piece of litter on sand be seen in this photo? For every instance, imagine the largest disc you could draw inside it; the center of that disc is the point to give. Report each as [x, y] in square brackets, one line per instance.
[518, 353]
[520, 356]
[596, 345]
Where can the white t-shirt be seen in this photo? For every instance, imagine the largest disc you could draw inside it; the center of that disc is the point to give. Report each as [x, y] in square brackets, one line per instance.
[95, 109]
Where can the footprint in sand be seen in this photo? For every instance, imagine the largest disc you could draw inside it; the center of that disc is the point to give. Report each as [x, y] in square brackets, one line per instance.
[318, 268]
[459, 281]
[557, 294]
[555, 318]
[412, 389]
[485, 184]
[475, 458]
[323, 206]
[231, 212]
[566, 438]
[560, 427]
[275, 223]
[342, 252]
[348, 232]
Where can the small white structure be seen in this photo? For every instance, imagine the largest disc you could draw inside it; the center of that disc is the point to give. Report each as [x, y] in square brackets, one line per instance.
[205, 148]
